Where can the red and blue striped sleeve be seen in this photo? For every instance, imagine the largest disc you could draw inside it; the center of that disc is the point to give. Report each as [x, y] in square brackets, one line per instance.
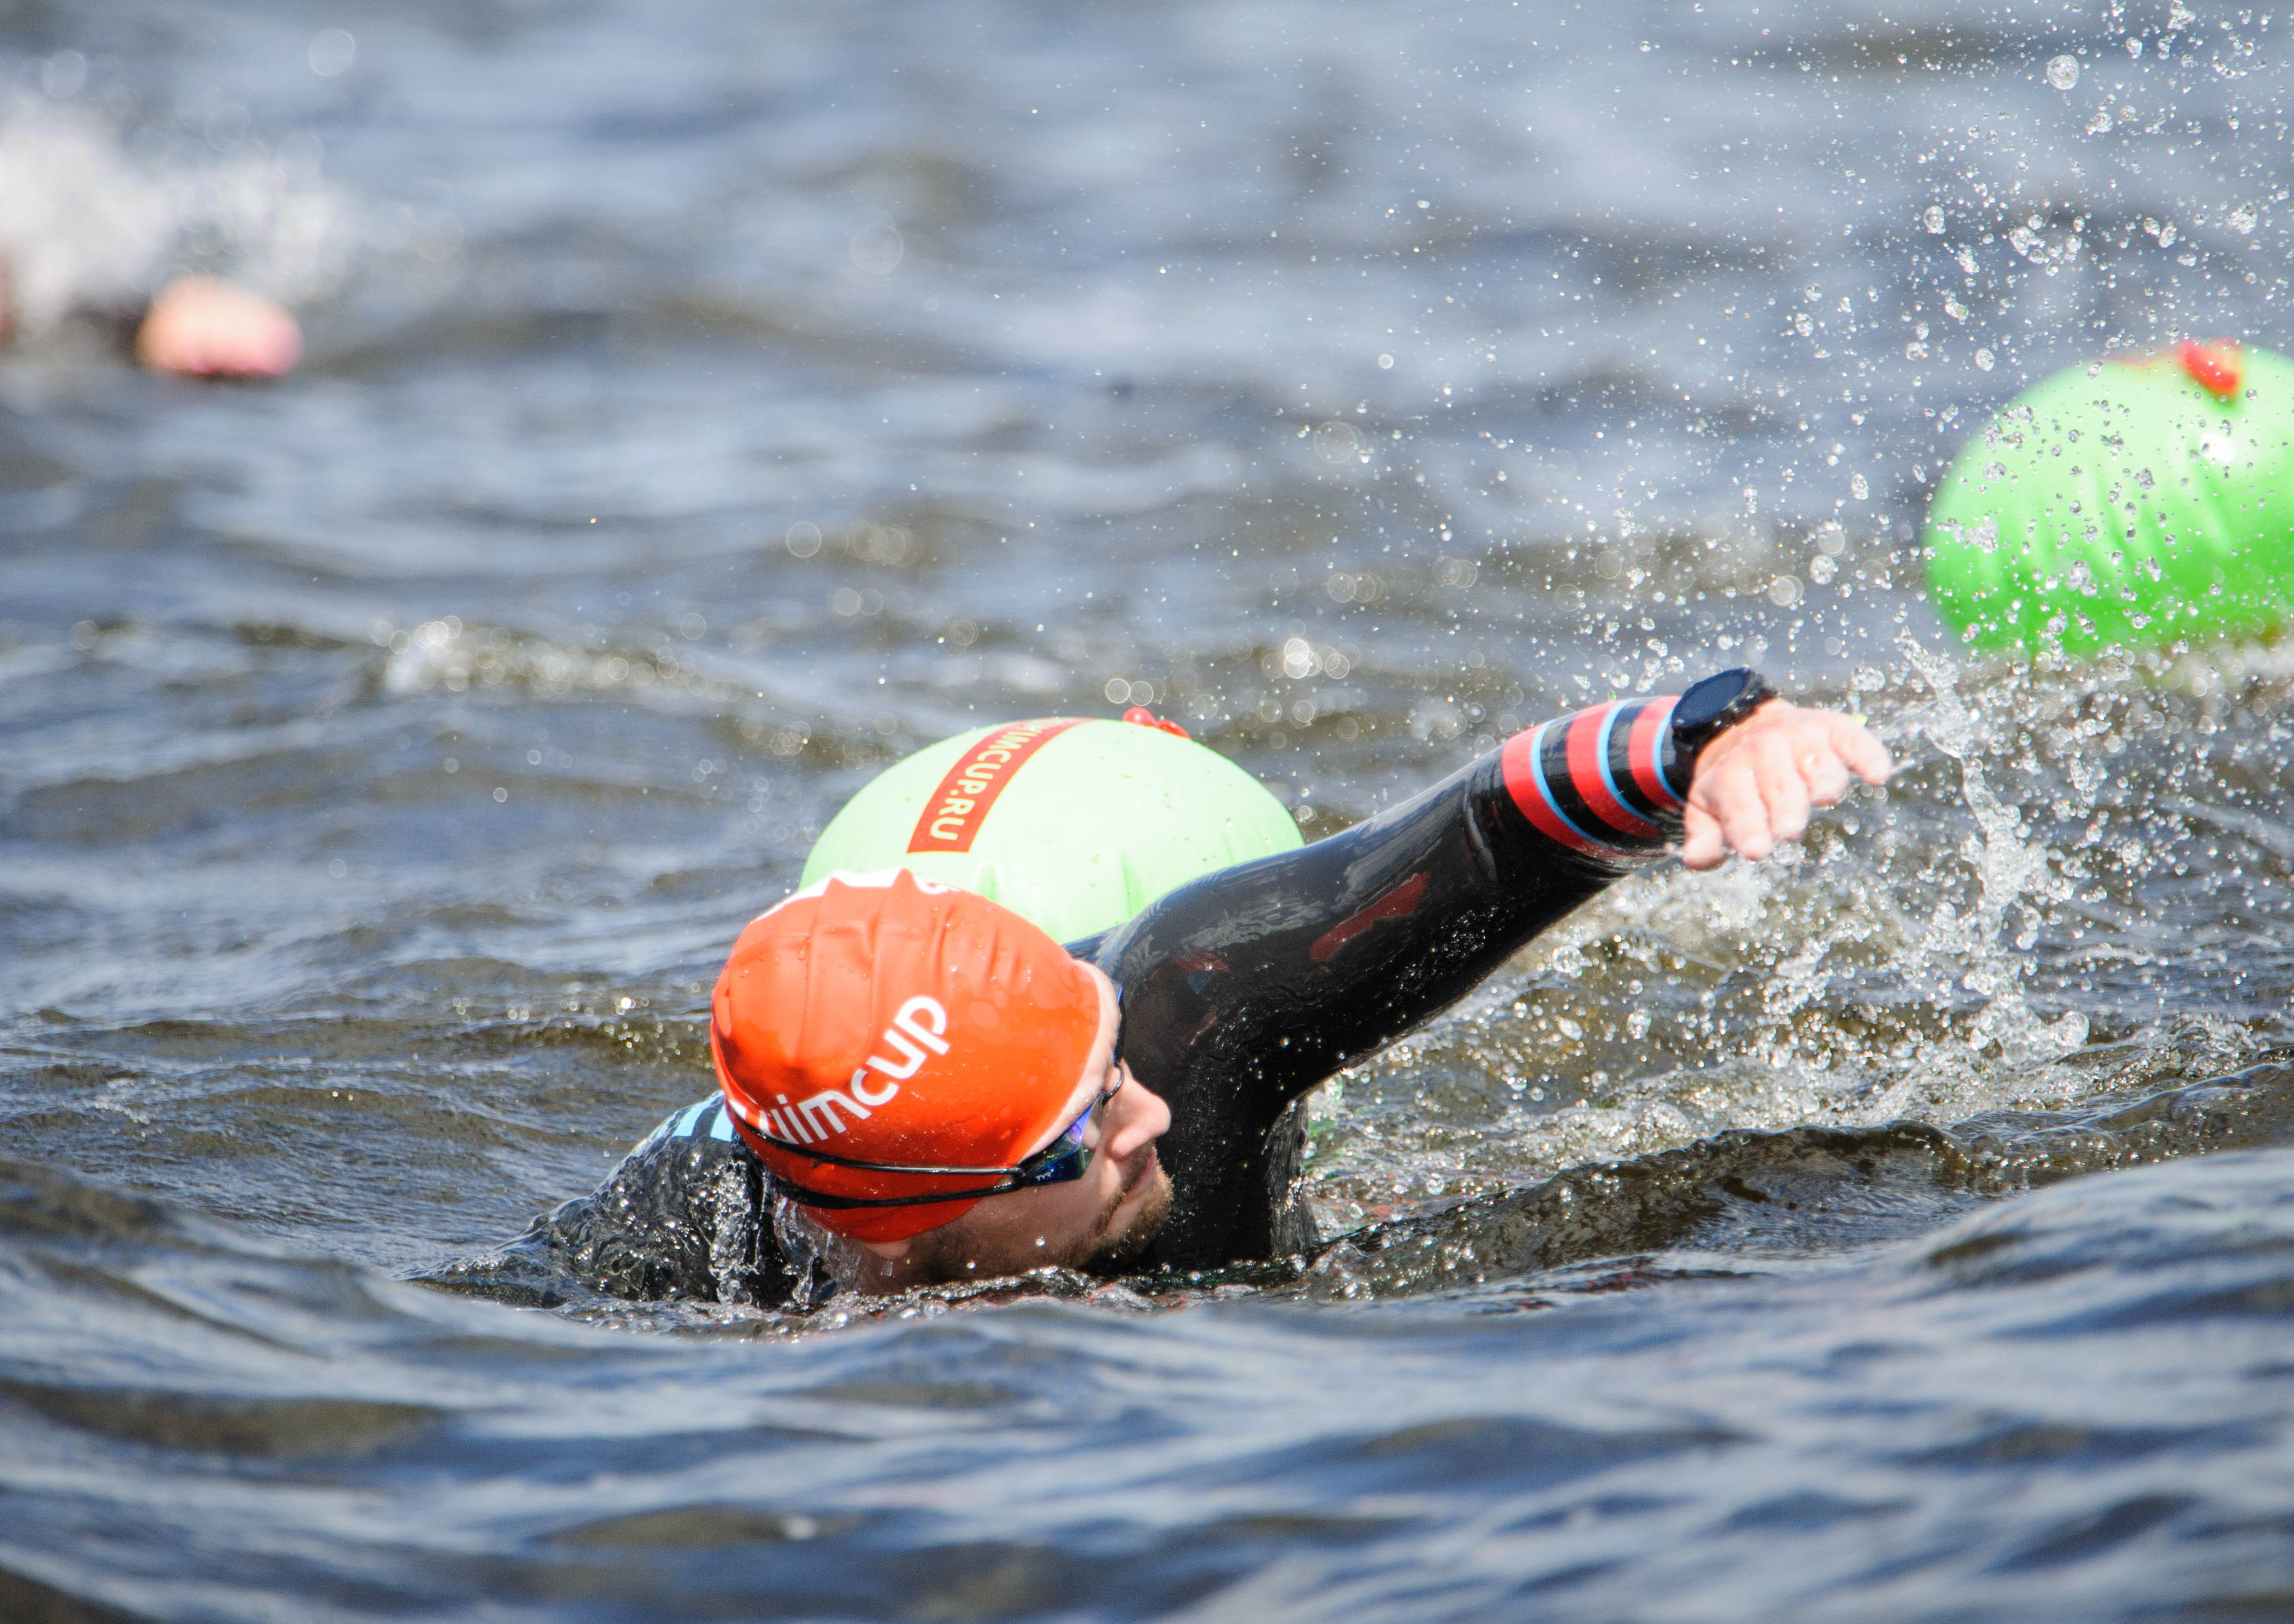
[1606, 783]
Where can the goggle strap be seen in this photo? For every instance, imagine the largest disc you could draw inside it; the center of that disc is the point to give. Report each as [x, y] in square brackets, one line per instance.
[803, 1196]
[810, 1154]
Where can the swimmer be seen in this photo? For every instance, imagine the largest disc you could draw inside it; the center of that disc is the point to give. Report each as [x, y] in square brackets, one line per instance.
[916, 1086]
[203, 327]
[87, 235]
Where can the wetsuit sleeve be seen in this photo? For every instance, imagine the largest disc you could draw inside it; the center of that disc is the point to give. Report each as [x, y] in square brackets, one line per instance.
[683, 1216]
[1243, 990]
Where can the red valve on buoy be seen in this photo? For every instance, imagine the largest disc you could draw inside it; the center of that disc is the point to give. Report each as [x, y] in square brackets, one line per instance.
[2216, 368]
[1145, 717]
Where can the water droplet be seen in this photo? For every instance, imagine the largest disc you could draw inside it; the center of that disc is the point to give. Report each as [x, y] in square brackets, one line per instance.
[1931, 217]
[1983, 535]
[1859, 487]
[1784, 591]
[1338, 444]
[2062, 72]
[332, 49]
[878, 247]
[1983, 360]
[2243, 219]
[62, 75]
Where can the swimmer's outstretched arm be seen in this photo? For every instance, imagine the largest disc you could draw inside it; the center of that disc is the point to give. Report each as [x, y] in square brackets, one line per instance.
[1244, 990]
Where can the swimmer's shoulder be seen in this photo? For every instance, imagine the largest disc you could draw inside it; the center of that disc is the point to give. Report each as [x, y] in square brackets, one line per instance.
[681, 1217]
[705, 1121]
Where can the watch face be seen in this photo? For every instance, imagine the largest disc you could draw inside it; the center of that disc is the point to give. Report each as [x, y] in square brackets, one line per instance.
[1709, 701]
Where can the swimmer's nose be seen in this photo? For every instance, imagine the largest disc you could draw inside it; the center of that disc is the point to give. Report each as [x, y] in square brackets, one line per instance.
[1140, 1118]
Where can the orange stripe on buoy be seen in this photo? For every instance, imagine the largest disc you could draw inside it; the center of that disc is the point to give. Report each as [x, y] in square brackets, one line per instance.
[951, 818]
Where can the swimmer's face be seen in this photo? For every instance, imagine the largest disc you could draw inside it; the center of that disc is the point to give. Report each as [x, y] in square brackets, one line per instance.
[1098, 1220]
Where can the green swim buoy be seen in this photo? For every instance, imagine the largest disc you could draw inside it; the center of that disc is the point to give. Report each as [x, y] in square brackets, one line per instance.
[2130, 503]
[1074, 825]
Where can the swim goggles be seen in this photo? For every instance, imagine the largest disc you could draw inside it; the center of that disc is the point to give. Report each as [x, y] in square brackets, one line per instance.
[1066, 1158]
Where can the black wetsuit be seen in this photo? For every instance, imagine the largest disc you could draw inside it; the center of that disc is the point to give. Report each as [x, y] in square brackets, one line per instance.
[1240, 991]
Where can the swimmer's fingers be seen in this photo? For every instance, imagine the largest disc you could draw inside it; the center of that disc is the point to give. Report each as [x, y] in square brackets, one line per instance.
[1744, 810]
[1709, 836]
[1832, 751]
[1825, 774]
[1858, 747]
[1777, 767]
[1701, 845]
[1728, 793]
[1727, 807]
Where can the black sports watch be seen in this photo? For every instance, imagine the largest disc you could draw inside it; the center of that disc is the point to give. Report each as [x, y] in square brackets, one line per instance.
[1715, 705]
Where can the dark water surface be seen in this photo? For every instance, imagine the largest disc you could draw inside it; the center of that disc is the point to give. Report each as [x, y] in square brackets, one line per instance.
[722, 401]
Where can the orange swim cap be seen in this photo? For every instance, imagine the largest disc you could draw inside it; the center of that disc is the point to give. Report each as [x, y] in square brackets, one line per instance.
[879, 1018]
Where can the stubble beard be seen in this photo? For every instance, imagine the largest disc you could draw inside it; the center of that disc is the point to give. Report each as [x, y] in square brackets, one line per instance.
[1108, 1257]
[942, 1260]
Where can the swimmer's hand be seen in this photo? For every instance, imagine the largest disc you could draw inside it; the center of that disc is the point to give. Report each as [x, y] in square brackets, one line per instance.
[199, 327]
[1755, 782]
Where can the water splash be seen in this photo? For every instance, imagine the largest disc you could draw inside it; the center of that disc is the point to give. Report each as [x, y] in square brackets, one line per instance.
[1980, 936]
[2013, 873]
